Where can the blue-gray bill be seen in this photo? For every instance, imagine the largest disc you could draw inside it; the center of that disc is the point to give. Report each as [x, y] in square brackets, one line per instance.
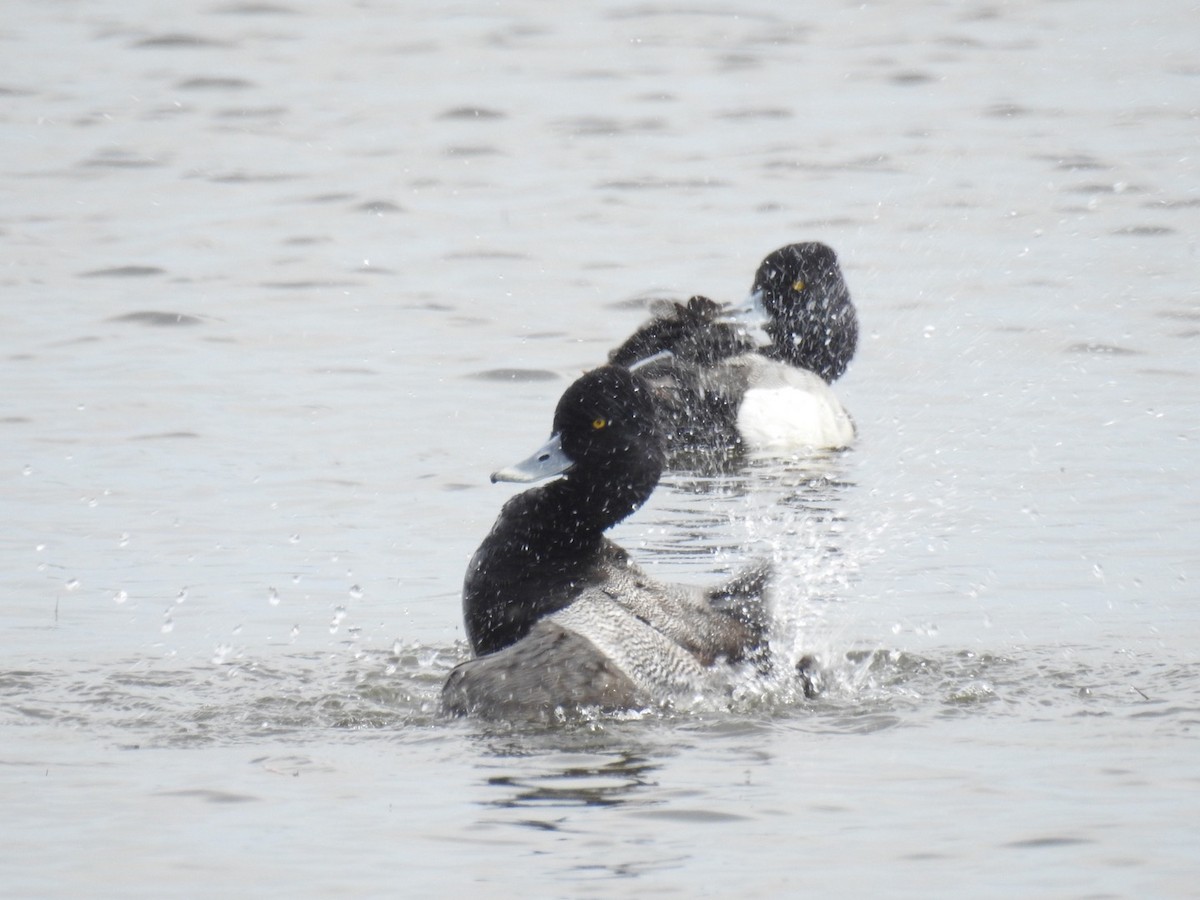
[546, 462]
[751, 316]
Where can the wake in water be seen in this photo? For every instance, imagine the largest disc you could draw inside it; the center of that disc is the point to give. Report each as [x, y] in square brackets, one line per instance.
[295, 699]
[792, 512]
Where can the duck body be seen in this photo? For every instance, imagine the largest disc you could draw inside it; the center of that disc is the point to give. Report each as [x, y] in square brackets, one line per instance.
[559, 616]
[778, 406]
[634, 643]
[718, 388]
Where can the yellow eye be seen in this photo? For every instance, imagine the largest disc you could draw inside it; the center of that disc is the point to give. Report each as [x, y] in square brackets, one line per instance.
[599, 423]
[798, 285]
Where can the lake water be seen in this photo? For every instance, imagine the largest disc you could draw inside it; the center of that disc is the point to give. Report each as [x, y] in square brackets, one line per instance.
[283, 282]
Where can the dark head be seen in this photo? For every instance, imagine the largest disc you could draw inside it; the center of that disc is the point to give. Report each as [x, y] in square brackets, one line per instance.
[607, 418]
[812, 322]
[604, 442]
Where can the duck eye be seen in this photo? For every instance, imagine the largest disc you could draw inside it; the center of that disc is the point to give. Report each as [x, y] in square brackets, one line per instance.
[798, 285]
[599, 423]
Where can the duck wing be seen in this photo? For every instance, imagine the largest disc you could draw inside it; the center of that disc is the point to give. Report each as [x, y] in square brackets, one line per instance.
[694, 332]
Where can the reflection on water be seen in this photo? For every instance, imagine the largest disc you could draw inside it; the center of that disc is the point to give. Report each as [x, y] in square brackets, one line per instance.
[598, 781]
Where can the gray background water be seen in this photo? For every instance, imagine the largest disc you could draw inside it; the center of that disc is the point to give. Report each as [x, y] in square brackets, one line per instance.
[283, 282]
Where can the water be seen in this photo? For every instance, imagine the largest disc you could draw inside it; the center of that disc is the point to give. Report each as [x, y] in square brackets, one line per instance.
[284, 282]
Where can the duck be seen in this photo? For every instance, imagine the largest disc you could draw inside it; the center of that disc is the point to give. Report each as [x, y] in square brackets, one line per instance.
[715, 386]
[560, 619]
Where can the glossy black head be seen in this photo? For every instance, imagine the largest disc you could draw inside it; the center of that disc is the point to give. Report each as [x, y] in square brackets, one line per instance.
[812, 322]
[605, 422]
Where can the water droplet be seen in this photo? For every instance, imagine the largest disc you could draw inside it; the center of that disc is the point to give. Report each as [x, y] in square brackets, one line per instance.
[120, 597]
[295, 579]
[428, 657]
[897, 628]
[40, 547]
[27, 471]
[356, 592]
[220, 652]
[237, 629]
[181, 596]
[273, 596]
[295, 630]
[294, 539]
[168, 624]
[396, 647]
[72, 584]
[338, 615]
[123, 540]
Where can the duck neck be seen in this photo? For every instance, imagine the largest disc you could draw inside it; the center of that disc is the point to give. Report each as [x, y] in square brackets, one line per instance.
[821, 340]
[586, 505]
[567, 518]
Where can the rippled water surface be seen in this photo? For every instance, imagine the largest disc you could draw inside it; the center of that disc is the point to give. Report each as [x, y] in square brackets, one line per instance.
[283, 282]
